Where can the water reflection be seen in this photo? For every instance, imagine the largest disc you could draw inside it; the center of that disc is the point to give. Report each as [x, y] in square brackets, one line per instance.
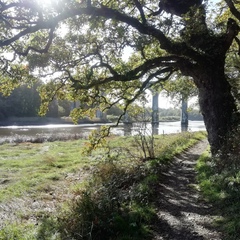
[85, 129]
[157, 129]
[184, 128]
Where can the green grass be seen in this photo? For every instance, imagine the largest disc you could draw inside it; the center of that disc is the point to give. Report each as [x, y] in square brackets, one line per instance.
[166, 146]
[223, 191]
[117, 199]
[29, 165]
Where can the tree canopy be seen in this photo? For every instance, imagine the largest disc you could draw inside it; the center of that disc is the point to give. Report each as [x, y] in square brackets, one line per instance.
[110, 52]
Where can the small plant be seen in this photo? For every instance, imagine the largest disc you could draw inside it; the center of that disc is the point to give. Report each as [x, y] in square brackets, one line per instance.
[144, 141]
[12, 232]
[49, 160]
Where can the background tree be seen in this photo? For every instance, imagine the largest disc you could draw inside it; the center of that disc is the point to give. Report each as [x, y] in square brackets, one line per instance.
[64, 108]
[178, 87]
[23, 102]
[80, 48]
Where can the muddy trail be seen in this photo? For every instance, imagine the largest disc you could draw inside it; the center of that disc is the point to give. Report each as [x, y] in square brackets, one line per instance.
[182, 212]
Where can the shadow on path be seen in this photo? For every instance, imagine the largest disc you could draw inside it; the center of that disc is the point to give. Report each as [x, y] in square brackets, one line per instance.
[182, 213]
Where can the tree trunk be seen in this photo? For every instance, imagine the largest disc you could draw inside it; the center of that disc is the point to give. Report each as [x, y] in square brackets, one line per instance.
[217, 104]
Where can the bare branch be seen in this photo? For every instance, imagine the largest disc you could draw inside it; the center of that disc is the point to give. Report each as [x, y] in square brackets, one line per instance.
[44, 50]
[140, 9]
[238, 43]
[233, 9]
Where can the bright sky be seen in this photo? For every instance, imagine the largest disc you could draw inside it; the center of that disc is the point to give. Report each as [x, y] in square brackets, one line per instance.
[167, 102]
[164, 102]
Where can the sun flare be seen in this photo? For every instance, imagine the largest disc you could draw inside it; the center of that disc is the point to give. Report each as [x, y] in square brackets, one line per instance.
[48, 3]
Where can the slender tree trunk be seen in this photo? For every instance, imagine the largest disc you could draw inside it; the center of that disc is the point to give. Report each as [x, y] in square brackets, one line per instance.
[216, 103]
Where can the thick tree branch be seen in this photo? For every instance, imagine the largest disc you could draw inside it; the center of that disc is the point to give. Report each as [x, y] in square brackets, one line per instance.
[25, 4]
[167, 65]
[233, 9]
[231, 33]
[32, 29]
[140, 9]
[238, 43]
[18, 19]
[43, 50]
[108, 13]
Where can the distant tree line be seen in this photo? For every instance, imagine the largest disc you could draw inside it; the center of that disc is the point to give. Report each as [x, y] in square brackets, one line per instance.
[170, 114]
[175, 114]
[25, 101]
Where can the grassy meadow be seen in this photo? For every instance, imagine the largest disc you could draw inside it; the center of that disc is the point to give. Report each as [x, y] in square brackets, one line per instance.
[52, 190]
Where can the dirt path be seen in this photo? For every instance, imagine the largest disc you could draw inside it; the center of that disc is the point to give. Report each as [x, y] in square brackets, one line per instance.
[182, 213]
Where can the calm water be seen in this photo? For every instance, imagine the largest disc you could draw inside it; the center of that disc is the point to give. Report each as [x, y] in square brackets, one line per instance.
[84, 129]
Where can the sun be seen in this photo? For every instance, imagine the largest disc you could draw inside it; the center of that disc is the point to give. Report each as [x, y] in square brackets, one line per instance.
[52, 5]
[48, 3]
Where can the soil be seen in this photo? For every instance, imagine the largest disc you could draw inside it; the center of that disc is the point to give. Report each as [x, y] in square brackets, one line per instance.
[183, 214]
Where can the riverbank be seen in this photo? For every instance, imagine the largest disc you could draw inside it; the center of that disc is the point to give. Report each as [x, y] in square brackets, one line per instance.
[38, 179]
[53, 132]
[33, 121]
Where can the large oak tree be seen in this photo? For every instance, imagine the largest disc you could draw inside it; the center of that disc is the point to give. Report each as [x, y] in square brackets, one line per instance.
[108, 52]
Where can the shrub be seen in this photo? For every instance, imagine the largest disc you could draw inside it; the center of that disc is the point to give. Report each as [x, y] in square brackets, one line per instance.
[108, 208]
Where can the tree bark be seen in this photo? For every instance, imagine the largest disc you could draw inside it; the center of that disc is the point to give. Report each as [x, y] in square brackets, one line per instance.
[217, 103]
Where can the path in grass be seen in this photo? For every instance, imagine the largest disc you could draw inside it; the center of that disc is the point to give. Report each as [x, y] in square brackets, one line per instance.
[182, 212]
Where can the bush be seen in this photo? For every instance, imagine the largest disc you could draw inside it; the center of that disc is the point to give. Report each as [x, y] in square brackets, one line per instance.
[108, 208]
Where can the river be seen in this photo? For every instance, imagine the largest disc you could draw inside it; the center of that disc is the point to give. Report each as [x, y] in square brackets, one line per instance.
[84, 129]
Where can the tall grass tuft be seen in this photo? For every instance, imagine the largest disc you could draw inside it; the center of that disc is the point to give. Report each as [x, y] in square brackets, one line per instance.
[41, 138]
[109, 207]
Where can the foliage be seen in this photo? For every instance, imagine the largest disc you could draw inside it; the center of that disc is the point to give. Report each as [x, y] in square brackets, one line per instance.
[97, 138]
[15, 232]
[106, 53]
[115, 111]
[219, 181]
[180, 87]
[23, 102]
[144, 141]
[105, 210]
